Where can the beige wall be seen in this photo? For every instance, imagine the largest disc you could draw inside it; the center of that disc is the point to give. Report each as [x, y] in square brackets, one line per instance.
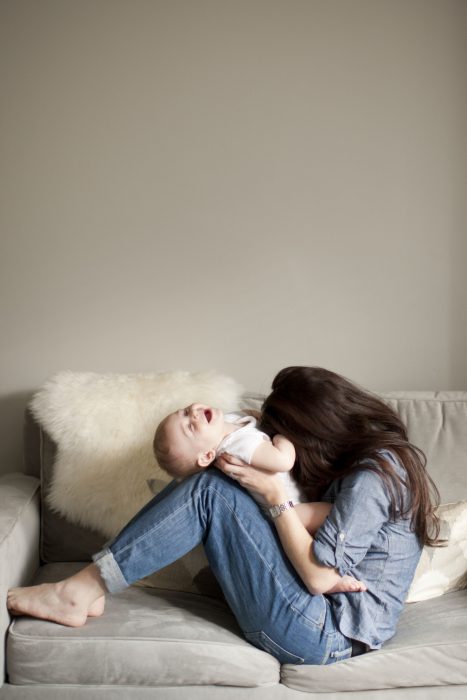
[239, 184]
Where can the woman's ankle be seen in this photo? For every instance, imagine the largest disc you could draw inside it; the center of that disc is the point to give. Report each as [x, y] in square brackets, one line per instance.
[85, 586]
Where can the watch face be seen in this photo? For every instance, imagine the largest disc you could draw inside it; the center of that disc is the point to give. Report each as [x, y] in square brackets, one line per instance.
[274, 511]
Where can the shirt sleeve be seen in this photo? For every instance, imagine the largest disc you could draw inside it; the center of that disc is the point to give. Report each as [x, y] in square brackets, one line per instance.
[361, 507]
[243, 443]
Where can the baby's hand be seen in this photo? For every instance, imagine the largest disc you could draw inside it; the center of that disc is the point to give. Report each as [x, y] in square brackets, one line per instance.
[348, 584]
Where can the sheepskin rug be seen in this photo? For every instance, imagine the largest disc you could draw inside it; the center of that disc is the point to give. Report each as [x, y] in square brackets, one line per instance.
[103, 426]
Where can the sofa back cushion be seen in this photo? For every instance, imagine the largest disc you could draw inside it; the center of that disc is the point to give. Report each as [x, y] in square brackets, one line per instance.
[437, 423]
[61, 540]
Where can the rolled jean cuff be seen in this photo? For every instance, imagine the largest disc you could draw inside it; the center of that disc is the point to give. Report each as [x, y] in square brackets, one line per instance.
[110, 571]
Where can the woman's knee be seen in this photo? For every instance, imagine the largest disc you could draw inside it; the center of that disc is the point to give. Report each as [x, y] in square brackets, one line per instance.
[219, 487]
[213, 477]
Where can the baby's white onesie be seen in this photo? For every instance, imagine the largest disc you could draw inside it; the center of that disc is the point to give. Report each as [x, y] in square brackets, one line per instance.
[242, 443]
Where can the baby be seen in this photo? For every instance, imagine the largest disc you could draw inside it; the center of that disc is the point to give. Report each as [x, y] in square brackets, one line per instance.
[191, 438]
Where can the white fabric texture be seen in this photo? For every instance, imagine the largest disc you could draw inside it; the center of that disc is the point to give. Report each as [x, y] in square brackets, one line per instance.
[443, 569]
[103, 426]
[243, 442]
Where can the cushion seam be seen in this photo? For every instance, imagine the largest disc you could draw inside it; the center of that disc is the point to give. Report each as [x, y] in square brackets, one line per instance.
[266, 684]
[21, 636]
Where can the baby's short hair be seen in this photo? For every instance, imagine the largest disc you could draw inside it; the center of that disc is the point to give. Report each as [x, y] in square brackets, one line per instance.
[164, 453]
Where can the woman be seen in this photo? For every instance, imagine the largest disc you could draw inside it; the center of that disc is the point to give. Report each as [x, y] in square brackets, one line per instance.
[353, 453]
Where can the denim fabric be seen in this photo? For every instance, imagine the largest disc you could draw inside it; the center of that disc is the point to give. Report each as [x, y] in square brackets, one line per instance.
[271, 604]
[359, 538]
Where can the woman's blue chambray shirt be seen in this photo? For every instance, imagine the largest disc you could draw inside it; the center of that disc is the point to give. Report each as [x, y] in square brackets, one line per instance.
[359, 538]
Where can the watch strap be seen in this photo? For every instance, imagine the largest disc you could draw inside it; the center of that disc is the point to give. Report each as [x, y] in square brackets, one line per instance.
[277, 510]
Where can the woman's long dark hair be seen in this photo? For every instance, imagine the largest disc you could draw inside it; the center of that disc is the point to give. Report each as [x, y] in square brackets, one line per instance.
[335, 426]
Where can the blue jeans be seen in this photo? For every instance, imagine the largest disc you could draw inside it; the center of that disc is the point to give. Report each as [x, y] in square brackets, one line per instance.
[271, 604]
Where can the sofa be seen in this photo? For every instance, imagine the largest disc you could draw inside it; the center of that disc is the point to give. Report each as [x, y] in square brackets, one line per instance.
[161, 643]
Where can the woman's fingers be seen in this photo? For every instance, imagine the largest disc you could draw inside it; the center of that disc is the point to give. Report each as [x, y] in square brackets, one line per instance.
[248, 476]
[230, 459]
[265, 483]
[231, 466]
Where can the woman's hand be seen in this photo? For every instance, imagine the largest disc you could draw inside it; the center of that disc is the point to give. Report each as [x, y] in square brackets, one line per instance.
[267, 484]
[295, 538]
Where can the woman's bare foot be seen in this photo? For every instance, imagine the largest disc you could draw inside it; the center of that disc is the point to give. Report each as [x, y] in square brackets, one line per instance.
[67, 602]
[348, 584]
[97, 608]
[48, 601]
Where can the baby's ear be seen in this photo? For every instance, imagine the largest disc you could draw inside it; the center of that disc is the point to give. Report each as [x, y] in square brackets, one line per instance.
[206, 458]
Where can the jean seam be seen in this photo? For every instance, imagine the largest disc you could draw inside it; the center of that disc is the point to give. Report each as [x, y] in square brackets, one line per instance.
[328, 648]
[212, 488]
[150, 531]
[272, 645]
[310, 623]
[265, 563]
[270, 569]
[251, 541]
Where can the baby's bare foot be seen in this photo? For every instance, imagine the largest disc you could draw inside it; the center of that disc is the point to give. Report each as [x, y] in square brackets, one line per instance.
[348, 584]
[49, 601]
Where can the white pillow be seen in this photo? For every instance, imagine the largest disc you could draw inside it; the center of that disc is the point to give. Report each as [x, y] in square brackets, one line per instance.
[103, 426]
[443, 569]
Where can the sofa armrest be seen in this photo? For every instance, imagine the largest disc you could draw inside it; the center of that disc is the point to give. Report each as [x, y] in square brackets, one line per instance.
[19, 540]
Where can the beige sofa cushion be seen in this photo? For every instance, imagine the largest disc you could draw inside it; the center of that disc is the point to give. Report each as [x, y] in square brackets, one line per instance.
[443, 569]
[437, 423]
[19, 540]
[144, 638]
[169, 638]
[428, 649]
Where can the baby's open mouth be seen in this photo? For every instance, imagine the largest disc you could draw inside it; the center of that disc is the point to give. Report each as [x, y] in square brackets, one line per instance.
[208, 414]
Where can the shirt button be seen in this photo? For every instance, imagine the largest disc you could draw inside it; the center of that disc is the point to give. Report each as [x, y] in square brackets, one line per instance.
[342, 536]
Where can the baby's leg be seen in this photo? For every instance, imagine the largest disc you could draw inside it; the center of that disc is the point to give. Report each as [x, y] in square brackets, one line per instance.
[313, 515]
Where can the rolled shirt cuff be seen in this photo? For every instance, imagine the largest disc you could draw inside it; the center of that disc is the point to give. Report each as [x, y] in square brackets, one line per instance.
[329, 548]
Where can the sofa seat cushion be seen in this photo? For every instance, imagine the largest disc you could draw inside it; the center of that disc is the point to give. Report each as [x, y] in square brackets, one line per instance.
[144, 638]
[428, 649]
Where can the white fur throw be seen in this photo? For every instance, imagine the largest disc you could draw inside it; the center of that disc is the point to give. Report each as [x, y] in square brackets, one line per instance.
[103, 426]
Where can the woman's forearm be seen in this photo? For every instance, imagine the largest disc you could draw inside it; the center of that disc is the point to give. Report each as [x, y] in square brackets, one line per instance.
[297, 543]
[297, 540]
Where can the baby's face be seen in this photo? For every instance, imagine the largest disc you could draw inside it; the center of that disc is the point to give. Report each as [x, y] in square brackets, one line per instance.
[194, 433]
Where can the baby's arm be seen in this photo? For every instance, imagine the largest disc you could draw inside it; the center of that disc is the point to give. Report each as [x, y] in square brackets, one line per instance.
[275, 456]
[313, 516]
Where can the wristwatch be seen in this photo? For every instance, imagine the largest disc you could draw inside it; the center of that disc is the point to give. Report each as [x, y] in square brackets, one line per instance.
[275, 511]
